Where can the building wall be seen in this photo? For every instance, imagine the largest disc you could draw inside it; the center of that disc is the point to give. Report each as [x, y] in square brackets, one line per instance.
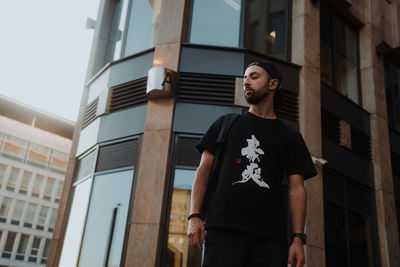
[347, 126]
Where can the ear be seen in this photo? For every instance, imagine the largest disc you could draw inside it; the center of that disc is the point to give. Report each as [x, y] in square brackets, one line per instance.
[273, 84]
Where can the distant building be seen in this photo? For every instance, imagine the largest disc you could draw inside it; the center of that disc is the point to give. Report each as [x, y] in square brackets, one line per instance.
[134, 158]
[34, 153]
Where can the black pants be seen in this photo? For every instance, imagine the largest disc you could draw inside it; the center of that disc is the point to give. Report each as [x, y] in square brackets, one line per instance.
[237, 249]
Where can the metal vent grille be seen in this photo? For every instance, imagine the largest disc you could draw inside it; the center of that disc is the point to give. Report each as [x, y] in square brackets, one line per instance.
[360, 143]
[206, 89]
[128, 94]
[117, 155]
[330, 126]
[290, 109]
[187, 154]
[90, 112]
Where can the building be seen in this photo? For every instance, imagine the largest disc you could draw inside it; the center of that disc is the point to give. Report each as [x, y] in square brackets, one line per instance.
[34, 149]
[134, 152]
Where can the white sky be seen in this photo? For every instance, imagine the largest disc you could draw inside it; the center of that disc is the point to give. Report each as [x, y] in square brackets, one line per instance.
[44, 52]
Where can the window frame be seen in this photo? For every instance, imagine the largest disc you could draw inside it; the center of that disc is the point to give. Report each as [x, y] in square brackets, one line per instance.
[334, 15]
[242, 30]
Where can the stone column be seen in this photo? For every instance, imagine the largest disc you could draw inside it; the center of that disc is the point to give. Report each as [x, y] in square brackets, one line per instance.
[305, 52]
[146, 225]
[374, 101]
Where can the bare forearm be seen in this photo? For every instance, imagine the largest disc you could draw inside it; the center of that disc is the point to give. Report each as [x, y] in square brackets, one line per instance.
[297, 202]
[199, 189]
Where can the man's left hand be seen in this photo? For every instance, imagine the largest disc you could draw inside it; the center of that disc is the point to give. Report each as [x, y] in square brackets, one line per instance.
[296, 252]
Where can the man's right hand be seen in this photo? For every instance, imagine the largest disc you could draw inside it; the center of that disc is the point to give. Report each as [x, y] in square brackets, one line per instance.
[196, 232]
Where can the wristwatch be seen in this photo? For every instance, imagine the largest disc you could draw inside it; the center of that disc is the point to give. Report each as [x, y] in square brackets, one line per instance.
[303, 237]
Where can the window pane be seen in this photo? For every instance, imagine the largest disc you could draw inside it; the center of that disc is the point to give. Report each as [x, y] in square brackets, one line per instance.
[30, 215]
[14, 147]
[38, 155]
[216, 22]
[347, 78]
[23, 242]
[10, 241]
[59, 191]
[178, 247]
[266, 27]
[5, 208]
[326, 64]
[42, 216]
[12, 180]
[59, 161]
[335, 235]
[3, 169]
[26, 178]
[140, 27]
[53, 219]
[49, 188]
[360, 238]
[346, 42]
[46, 251]
[110, 199]
[37, 185]
[18, 207]
[76, 223]
[117, 30]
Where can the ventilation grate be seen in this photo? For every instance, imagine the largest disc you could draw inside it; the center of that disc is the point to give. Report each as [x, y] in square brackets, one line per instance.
[187, 154]
[290, 108]
[360, 143]
[128, 94]
[90, 112]
[330, 126]
[206, 89]
[117, 155]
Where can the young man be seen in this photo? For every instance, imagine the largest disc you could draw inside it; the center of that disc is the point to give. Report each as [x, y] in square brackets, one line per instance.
[245, 219]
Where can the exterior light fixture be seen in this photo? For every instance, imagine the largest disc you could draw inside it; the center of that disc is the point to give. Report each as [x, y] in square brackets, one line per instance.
[160, 82]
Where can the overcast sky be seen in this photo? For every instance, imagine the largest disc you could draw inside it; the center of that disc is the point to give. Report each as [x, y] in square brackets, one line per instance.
[44, 51]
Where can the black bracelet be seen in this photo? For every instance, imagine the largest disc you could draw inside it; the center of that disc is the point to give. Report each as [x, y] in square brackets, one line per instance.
[198, 215]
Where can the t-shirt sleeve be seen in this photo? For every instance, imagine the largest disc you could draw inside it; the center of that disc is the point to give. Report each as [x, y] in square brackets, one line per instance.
[299, 160]
[208, 141]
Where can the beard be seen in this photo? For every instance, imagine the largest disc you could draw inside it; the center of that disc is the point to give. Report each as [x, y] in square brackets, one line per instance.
[254, 97]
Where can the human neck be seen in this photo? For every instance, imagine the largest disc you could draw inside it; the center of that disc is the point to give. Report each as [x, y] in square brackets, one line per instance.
[264, 110]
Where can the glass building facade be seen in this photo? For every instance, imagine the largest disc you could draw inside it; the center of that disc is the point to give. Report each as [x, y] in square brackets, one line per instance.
[135, 157]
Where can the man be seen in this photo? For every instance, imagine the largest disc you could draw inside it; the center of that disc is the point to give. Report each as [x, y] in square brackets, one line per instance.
[245, 220]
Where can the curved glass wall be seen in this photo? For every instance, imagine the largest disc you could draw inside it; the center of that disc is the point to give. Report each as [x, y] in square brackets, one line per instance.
[258, 25]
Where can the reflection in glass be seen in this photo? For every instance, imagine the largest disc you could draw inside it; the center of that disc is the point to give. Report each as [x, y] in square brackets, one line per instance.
[266, 27]
[12, 180]
[23, 243]
[107, 219]
[59, 161]
[30, 215]
[140, 27]
[14, 147]
[216, 22]
[76, 222]
[38, 155]
[18, 207]
[9, 245]
[37, 185]
[3, 169]
[180, 254]
[26, 179]
[5, 208]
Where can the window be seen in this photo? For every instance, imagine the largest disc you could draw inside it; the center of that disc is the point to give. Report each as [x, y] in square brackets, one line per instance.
[131, 29]
[5, 208]
[216, 22]
[42, 218]
[30, 215]
[267, 27]
[38, 155]
[45, 251]
[59, 191]
[12, 180]
[48, 191]
[109, 204]
[53, 219]
[23, 242]
[34, 250]
[26, 179]
[3, 169]
[339, 54]
[37, 185]
[17, 213]
[392, 84]
[14, 148]
[9, 245]
[58, 161]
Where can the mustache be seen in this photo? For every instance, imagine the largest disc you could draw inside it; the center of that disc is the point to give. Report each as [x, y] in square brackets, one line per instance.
[248, 88]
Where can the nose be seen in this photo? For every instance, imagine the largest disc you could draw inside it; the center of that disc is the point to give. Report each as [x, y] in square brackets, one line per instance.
[245, 82]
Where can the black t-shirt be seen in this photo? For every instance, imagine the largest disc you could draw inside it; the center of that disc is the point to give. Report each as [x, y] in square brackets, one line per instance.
[256, 155]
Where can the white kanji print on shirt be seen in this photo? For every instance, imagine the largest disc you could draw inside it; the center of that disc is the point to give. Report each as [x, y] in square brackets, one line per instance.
[252, 171]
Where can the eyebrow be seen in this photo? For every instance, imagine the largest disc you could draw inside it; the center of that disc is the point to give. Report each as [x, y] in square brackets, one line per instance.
[251, 73]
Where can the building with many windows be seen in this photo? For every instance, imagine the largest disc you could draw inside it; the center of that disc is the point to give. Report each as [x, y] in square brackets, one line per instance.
[34, 153]
[127, 190]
